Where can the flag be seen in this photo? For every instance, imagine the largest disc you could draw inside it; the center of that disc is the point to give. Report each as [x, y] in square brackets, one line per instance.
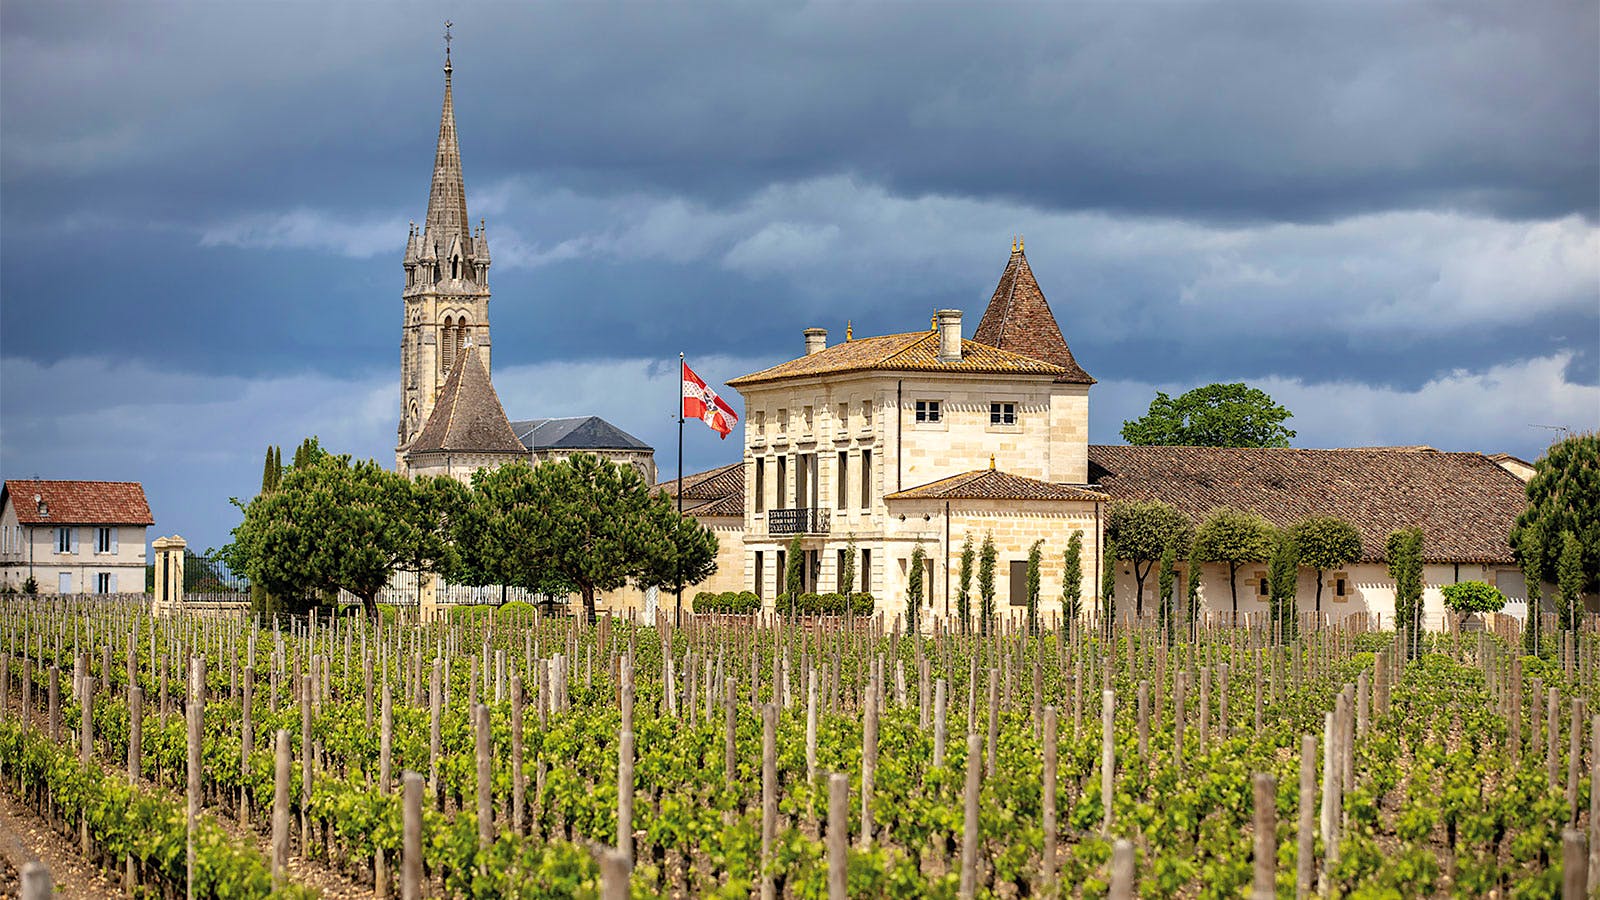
[701, 402]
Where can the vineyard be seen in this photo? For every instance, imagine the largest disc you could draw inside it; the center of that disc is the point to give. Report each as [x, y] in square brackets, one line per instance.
[505, 755]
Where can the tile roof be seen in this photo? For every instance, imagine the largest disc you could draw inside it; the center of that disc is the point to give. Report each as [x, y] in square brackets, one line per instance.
[916, 351]
[714, 493]
[991, 484]
[468, 417]
[78, 502]
[575, 433]
[1464, 503]
[1018, 319]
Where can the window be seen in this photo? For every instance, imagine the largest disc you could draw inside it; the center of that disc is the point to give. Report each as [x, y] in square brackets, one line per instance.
[866, 479]
[1341, 587]
[760, 574]
[1002, 414]
[63, 540]
[1019, 582]
[103, 542]
[841, 490]
[866, 571]
[761, 422]
[783, 421]
[64, 583]
[105, 583]
[781, 574]
[927, 410]
[761, 485]
[844, 417]
[782, 500]
[866, 413]
[1264, 588]
[806, 420]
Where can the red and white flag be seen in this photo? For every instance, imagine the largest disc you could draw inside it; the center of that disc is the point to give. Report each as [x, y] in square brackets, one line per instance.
[701, 402]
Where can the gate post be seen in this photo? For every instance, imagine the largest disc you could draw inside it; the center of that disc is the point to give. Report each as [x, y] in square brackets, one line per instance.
[169, 572]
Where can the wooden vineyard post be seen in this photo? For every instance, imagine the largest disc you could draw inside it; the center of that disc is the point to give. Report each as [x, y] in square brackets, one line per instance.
[1144, 721]
[811, 727]
[1330, 800]
[135, 734]
[613, 875]
[36, 882]
[838, 834]
[1574, 865]
[730, 714]
[1179, 692]
[1266, 837]
[54, 699]
[1363, 703]
[940, 721]
[86, 719]
[869, 765]
[1048, 876]
[480, 719]
[969, 829]
[380, 861]
[1552, 718]
[1122, 870]
[411, 836]
[625, 797]
[1305, 864]
[1594, 804]
[518, 778]
[1574, 759]
[247, 740]
[435, 709]
[994, 720]
[196, 716]
[280, 807]
[1108, 756]
[769, 796]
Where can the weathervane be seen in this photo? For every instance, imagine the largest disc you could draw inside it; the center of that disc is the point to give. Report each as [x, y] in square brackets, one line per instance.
[447, 39]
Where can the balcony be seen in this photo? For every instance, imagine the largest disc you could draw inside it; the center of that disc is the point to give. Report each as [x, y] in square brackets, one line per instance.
[801, 520]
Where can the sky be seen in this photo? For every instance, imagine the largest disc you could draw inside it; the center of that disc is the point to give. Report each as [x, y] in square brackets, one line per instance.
[1386, 215]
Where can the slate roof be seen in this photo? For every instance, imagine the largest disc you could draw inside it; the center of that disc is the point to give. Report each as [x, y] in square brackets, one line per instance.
[79, 502]
[916, 351]
[714, 493]
[1465, 503]
[468, 417]
[574, 433]
[991, 484]
[1019, 319]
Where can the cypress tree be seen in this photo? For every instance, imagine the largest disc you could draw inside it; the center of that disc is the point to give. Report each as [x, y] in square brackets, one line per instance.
[914, 586]
[986, 564]
[1035, 554]
[1072, 579]
[964, 581]
[1530, 550]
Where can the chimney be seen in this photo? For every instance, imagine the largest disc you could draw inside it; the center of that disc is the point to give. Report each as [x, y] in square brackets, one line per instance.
[949, 323]
[816, 340]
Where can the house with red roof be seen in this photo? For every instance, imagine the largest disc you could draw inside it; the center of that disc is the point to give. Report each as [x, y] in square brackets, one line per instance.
[73, 537]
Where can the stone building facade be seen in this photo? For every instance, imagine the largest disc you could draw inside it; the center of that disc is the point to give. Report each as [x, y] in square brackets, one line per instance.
[74, 537]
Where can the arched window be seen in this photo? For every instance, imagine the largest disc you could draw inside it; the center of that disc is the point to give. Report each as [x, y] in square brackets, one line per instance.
[455, 267]
[447, 344]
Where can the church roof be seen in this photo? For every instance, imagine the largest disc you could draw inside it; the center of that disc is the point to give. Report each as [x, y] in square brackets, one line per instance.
[716, 493]
[447, 198]
[916, 351]
[77, 502]
[1465, 503]
[1019, 319]
[575, 433]
[990, 484]
[467, 417]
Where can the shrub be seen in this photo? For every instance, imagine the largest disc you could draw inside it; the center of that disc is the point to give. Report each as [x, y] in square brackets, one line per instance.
[388, 612]
[472, 614]
[861, 604]
[515, 610]
[830, 604]
[1472, 597]
[728, 603]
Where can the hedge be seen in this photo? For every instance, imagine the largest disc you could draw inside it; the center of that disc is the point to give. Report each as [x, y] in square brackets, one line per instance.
[728, 603]
[825, 604]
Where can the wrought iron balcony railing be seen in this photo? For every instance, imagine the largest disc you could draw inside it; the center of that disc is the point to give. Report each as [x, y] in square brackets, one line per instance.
[801, 520]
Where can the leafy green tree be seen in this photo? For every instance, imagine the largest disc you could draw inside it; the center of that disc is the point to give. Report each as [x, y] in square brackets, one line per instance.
[1570, 580]
[964, 585]
[1326, 543]
[1035, 558]
[1143, 530]
[987, 558]
[1166, 575]
[1216, 415]
[1236, 538]
[847, 572]
[1530, 555]
[1283, 576]
[919, 565]
[1404, 557]
[1072, 579]
[1564, 495]
[1108, 586]
[794, 576]
[1468, 597]
[679, 552]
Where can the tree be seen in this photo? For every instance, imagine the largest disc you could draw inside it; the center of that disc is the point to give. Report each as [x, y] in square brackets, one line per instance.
[847, 572]
[1217, 415]
[492, 536]
[1072, 579]
[1283, 576]
[1192, 594]
[1108, 586]
[331, 525]
[1468, 597]
[1234, 537]
[964, 586]
[678, 551]
[1404, 556]
[1326, 542]
[1035, 558]
[1570, 579]
[1167, 574]
[1530, 554]
[914, 586]
[794, 576]
[1143, 530]
[1564, 495]
[30, 586]
[986, 564]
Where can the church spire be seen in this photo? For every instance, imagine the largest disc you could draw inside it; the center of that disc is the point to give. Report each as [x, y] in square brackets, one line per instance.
[447, 199]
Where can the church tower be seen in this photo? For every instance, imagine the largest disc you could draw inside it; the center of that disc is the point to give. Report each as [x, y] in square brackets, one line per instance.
[446, 295]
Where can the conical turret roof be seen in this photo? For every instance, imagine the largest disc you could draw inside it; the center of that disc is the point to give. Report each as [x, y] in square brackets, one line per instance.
[468, 417]
[1019, 319]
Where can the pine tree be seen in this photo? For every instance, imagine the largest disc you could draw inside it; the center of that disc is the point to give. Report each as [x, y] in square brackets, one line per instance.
[1072, 579]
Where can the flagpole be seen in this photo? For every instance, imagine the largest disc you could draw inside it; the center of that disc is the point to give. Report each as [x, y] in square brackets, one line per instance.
[678, 613]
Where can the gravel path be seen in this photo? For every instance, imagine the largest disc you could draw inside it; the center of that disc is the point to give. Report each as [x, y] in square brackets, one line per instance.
[25, 837]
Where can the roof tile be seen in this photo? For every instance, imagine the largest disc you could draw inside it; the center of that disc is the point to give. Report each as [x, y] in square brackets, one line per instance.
[79, 502]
